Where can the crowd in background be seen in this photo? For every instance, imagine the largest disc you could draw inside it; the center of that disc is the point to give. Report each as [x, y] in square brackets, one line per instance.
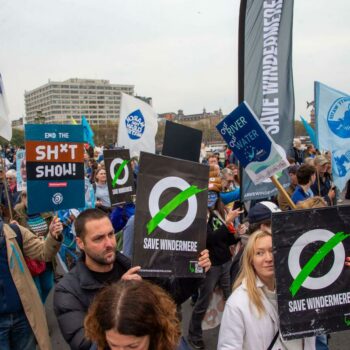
[238, 253]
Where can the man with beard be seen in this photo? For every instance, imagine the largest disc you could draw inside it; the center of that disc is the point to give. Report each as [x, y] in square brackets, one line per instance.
[101, 265]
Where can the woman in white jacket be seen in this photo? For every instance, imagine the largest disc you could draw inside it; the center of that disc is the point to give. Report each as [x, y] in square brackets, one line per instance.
[250, 320]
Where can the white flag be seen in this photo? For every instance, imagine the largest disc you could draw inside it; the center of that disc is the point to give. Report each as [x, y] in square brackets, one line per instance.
[5, 123]
[138, 126]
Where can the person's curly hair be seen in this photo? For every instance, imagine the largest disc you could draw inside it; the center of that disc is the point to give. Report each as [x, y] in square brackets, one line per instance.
[135, 308]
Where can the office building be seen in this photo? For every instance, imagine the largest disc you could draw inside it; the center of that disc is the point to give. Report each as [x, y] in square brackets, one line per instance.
[59, 102]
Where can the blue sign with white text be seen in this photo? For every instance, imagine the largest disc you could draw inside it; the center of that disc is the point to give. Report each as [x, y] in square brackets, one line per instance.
[250, 143]
[54, 167]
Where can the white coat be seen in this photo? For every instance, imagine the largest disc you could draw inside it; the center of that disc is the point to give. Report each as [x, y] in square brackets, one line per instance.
[243, 329]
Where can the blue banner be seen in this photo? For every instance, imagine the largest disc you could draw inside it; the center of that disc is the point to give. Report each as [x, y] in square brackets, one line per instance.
[54, 167]
[310, 131]
[332, 109]
[88, 133]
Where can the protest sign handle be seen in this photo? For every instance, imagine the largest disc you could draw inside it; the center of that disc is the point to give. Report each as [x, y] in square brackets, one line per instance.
[283, 191]
[6, 189]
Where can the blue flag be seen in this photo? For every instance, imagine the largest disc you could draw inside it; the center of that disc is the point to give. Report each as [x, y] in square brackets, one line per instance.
[310, 131]
[88, 133]
[332, 109]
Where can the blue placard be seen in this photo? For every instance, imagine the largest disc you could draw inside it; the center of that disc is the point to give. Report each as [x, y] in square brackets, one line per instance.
[54, 167]
[250, 143]
[54, 132]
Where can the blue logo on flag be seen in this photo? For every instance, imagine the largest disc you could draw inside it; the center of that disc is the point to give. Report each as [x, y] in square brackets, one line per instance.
[135, 124]
[338, 117]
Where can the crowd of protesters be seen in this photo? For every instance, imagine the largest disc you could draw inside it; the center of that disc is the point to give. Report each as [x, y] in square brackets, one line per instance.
[101, 302]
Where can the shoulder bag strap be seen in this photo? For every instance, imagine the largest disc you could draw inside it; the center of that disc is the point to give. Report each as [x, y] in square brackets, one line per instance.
[273, 340]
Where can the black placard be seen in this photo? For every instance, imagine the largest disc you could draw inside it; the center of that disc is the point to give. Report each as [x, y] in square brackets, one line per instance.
[171, 245]
[319, 302]
[121, 189]
[182, 142]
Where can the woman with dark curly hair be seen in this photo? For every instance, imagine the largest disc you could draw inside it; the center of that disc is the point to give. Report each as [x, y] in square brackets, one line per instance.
[134, 315]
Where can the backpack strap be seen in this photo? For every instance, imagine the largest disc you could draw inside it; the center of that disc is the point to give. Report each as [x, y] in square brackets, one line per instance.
[273, 340]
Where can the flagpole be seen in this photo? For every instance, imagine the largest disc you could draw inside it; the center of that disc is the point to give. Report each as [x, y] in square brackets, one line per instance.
[283, 191]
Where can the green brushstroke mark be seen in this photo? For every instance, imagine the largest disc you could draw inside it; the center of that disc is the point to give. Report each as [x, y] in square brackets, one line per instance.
[119, 171]
[324, 250]
[171, 206]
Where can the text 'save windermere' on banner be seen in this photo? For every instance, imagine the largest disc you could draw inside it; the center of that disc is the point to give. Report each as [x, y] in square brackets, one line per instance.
[120, 178]
[171, 216]
[266, 78]
[55, 167]
[251, 144]
[313, 289]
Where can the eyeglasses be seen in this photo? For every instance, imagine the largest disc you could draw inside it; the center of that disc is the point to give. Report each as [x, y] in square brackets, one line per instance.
[9, 178]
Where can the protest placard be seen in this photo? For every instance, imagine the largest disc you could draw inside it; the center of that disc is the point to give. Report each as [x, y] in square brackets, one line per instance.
[313, 290]
[250, 143]
[120, 178]
[21, 170]
[55, 167]
[181, 141]
[171, 216]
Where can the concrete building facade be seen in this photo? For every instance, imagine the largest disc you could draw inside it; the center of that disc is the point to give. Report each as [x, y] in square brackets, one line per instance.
[17, 124]
[57, 102]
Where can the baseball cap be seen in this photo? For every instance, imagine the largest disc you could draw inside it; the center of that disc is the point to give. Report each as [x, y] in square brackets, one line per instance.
[262, 211]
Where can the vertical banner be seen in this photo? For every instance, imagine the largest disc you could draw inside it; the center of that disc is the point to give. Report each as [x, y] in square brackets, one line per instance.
[55, 167]
[265, 76]
[332, 109]
[312, 283]
[138, 125]
[21, 170]
[120, 178]
[253, 147]
[171, 216]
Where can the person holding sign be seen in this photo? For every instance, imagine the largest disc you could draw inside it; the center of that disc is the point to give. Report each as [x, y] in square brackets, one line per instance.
[22, 315]
[250, 319]
[220, 236]
[102, 265]
[39, 224]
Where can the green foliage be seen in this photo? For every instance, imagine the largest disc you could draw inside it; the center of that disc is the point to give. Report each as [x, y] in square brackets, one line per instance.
[17, 138]
[299, 129]
[105, 134]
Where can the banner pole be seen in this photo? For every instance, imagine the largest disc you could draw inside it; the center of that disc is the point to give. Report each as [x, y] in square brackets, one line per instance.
[283, 191]
[6, 188]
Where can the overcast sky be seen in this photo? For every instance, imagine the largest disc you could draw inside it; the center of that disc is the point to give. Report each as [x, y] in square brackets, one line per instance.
[182, 53]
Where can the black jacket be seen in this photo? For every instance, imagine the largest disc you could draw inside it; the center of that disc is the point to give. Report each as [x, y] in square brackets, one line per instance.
[219, 239]
[75, 292]
[72, 298]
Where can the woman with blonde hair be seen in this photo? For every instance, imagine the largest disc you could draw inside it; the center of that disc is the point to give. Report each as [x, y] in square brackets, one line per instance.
[134, 315]
[250, 319]
[313, 202]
